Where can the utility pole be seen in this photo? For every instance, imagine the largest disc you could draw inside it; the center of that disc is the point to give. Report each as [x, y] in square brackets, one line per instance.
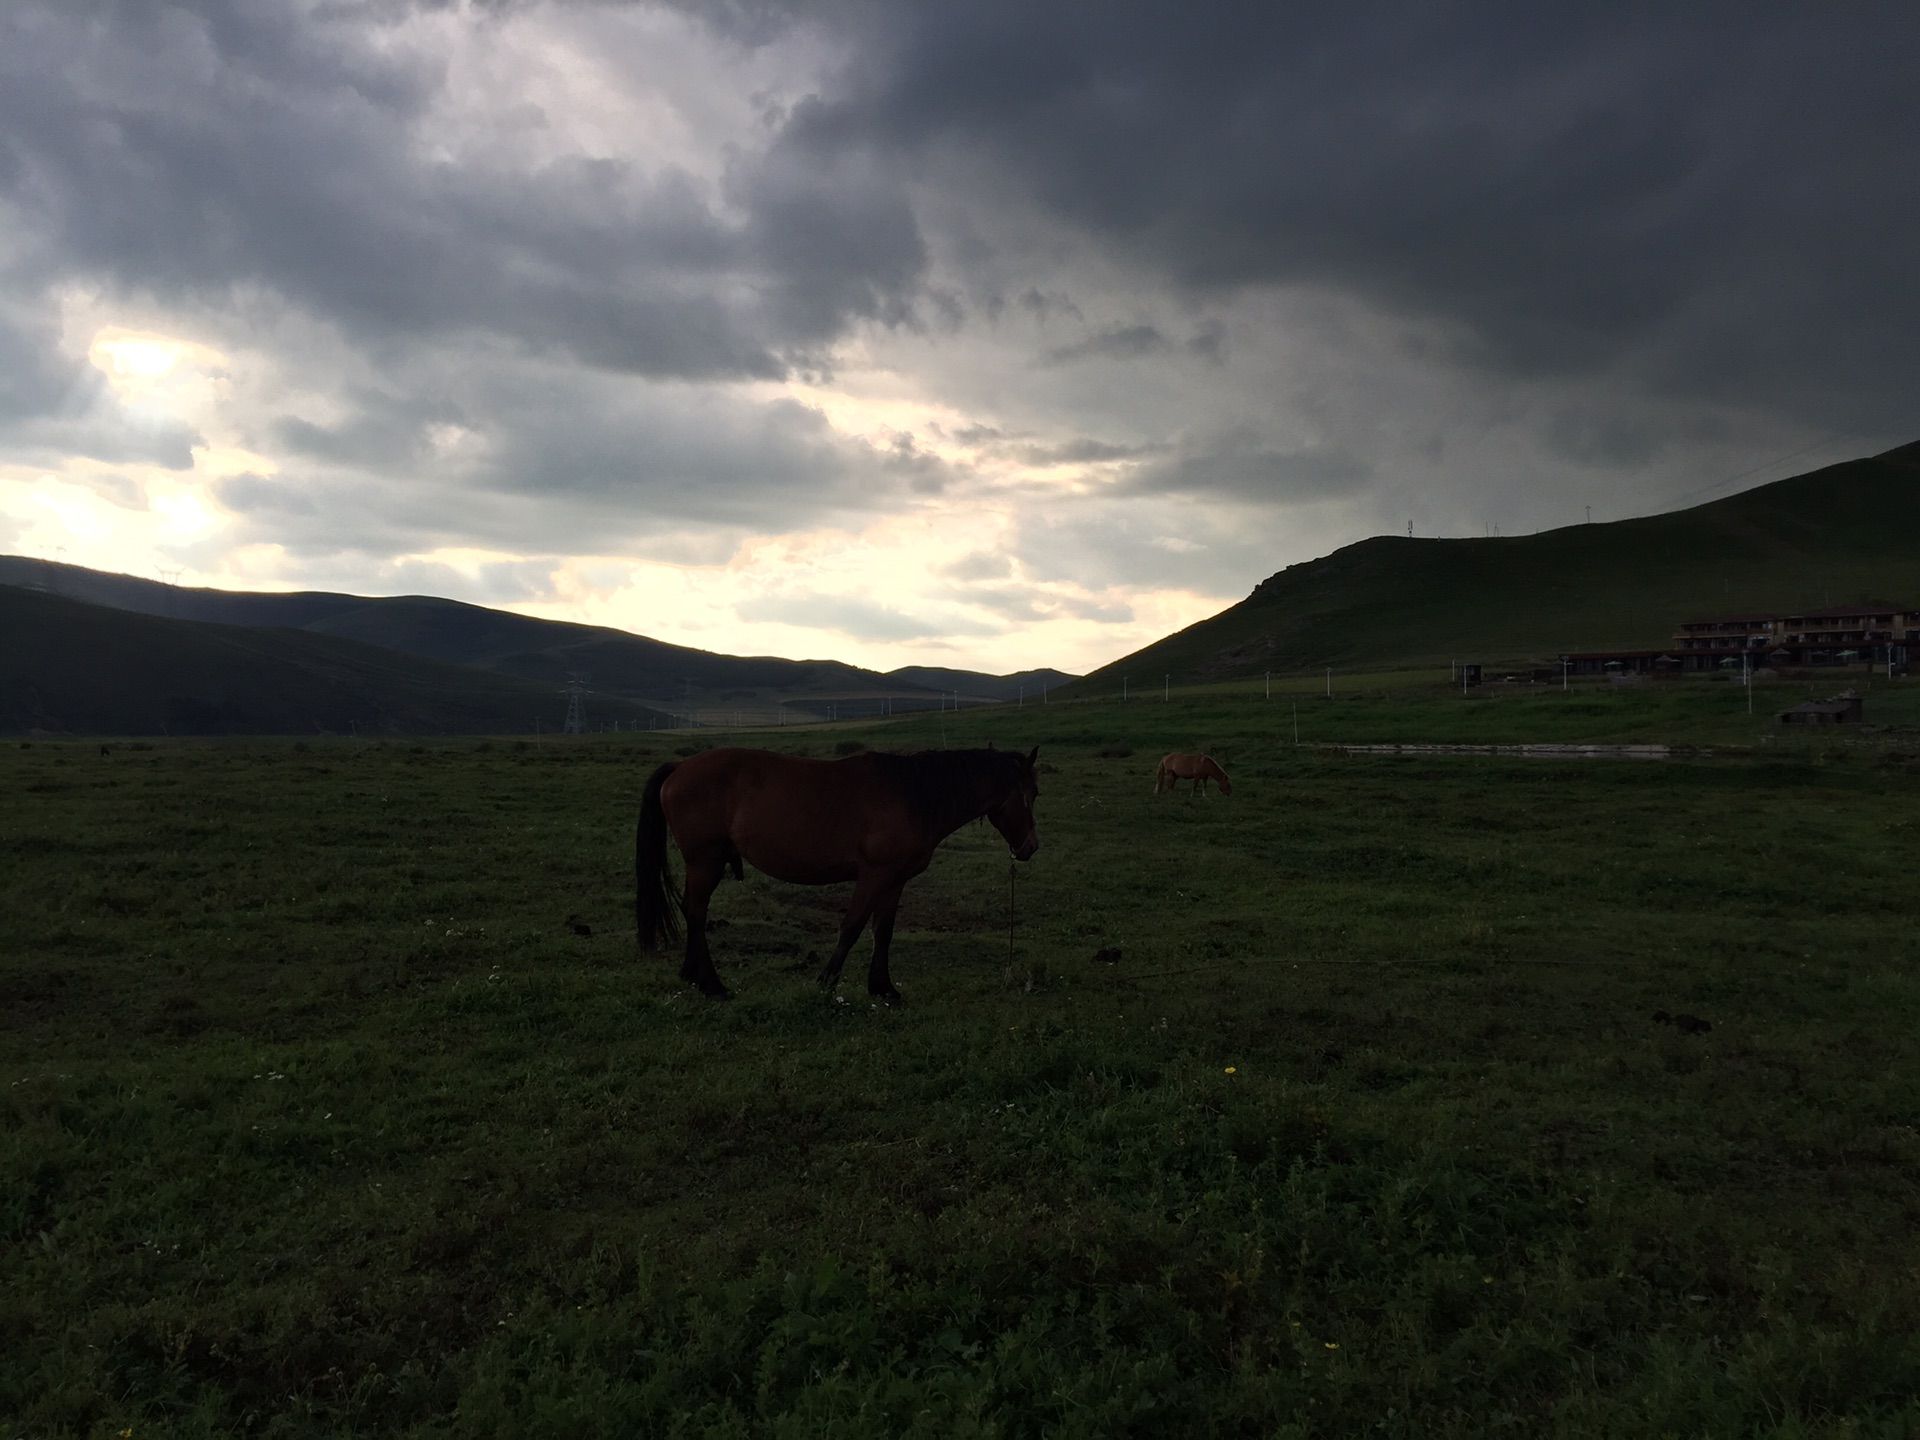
[1269, 684]
[1563, 674]
[1329, 682]
[1589, 514]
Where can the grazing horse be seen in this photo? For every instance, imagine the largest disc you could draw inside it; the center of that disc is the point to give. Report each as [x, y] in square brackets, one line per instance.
[871, 818]
[1197, 768]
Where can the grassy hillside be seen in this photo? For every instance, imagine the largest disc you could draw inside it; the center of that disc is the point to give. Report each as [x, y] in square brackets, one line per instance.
[619, 663]
[72, 668]
[1847, 532]
[622, 664]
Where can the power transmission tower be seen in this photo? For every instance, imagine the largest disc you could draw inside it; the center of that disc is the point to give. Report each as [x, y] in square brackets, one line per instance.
[576, 723]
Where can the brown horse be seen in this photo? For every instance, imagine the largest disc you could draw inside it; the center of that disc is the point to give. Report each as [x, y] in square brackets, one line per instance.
[1197, 768]
[873, 819]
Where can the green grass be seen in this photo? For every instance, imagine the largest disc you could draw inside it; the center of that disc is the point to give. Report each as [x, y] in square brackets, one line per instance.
[1420, 707]
[319, 1119]
[1834, 536]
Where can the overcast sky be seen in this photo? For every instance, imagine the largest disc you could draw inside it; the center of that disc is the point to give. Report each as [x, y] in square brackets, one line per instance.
[994, 333]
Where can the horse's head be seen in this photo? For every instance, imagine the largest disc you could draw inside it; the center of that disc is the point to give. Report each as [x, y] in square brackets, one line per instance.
[1219, 775]
[1012, 812]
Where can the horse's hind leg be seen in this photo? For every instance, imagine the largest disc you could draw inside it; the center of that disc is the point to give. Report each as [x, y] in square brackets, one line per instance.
[865, 893]
[702, 876]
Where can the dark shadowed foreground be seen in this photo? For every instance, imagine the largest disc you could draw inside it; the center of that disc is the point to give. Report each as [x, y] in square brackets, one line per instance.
[323, 1116]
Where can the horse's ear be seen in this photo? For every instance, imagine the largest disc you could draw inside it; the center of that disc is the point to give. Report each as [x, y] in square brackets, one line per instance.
[1033, 755]
[989, 744]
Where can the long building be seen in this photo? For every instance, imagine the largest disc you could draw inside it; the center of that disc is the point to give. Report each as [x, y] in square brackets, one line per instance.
[1872, 633]
[1869, 633]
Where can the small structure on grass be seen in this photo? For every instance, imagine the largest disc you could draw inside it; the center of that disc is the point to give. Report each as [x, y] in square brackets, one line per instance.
[1843, 709]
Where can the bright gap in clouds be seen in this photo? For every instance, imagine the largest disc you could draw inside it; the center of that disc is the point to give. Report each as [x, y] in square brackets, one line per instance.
[134, 357]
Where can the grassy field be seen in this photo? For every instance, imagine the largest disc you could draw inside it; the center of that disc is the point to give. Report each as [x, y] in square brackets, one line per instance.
[321, 1118]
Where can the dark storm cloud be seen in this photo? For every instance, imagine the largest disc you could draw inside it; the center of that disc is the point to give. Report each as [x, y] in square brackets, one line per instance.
[193, 152]
[1699, 199]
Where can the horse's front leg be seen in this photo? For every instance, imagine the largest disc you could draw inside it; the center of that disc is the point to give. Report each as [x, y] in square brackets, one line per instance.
[879, 983]
[866, 891]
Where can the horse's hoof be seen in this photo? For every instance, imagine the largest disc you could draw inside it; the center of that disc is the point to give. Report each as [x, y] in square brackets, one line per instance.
[891, 997]
[829, 979]
[717, 992]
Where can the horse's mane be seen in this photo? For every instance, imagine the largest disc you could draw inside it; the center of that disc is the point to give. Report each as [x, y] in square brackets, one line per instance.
[937, 783]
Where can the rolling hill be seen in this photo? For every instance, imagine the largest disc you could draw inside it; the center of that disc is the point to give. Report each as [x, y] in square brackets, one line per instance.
[1843, 533]
[68, 667]
[668, 677]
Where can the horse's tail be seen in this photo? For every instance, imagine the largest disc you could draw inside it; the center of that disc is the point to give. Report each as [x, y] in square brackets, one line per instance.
[656, 908]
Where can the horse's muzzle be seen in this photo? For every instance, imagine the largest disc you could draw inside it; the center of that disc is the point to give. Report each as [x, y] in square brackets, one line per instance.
[1028, 850]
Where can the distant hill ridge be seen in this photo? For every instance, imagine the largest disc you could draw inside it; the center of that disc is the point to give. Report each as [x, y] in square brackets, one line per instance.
[634, 667]
[69, 667]
[1832, 536]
